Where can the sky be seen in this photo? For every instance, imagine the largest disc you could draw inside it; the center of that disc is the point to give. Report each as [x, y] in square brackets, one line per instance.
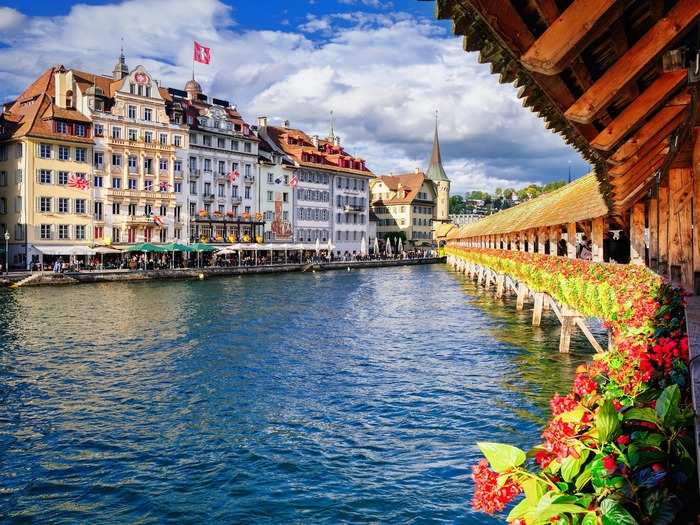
[382, 66]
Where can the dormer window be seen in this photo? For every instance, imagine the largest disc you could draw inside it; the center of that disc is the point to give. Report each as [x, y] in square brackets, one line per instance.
[132, 88]
[69, 98]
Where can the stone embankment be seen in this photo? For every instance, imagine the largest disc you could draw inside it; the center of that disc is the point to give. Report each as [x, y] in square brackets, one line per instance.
[20, 279]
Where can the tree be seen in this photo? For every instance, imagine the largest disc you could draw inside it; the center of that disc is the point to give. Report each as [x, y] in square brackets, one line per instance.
[457, 205]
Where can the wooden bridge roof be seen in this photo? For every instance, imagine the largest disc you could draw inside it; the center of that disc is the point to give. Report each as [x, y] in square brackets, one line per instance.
[593, 70]
[581, 200]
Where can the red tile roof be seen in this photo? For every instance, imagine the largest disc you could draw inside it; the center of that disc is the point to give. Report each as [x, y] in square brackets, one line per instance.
[405, 185]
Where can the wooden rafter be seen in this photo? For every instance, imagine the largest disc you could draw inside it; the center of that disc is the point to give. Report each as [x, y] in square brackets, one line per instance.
[649, 150]
[639, 109]
[568, 35]
[657, 128]
[627, 68]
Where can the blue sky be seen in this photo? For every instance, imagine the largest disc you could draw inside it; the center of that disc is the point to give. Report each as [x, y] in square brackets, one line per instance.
[382, 66]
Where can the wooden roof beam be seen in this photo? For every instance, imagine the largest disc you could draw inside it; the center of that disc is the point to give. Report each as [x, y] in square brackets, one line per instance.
[639, 109]
[660, 126]
[681, 17]
[647, 153]
[636, 186]
[569, 34]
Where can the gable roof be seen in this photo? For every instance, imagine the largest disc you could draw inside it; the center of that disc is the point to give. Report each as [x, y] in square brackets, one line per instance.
[411, 183]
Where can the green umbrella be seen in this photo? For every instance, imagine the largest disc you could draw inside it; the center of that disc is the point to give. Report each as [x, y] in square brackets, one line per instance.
[145, 247]
[202, 247]
[176, 247]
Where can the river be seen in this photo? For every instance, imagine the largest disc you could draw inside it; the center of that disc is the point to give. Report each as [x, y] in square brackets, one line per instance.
[336, 397]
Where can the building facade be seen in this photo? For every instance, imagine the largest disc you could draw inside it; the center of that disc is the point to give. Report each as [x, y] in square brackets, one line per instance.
[331, 199]
[222, 166]
[275, 195]
[405, 206]
[138, 162]
[46, 148]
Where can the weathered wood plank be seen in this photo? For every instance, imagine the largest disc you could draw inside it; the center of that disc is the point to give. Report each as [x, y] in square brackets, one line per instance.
[679, 19]
[571, 240]
[597, 229]
[637, 254]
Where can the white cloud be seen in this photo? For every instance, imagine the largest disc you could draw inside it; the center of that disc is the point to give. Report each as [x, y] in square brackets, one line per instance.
[383, 75]
[10, 19]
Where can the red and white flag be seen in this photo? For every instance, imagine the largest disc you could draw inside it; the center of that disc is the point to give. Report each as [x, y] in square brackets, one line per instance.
[233, 175]
[201, 54]
[294, 181]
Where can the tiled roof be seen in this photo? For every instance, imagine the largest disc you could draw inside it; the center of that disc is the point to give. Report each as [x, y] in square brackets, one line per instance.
[410, 183]
[444, 228]
[578, 201]
[329, 152]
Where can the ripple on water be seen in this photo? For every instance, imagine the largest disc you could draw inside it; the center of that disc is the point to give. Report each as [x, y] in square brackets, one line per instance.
[337, 397]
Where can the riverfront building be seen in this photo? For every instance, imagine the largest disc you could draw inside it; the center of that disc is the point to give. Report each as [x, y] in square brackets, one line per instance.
[45, 157]
[222, 167]
[331, 200]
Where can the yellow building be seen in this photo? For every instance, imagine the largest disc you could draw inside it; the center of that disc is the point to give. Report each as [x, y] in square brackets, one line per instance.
[46, 150]
[404, 203]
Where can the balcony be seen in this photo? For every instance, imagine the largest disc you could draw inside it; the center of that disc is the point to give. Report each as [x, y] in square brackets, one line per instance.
[136, 220]
[140, 194]
[222, 175]
[248, 179]
[236, 200]
[208, 197]
[349, 208]
[139, 143]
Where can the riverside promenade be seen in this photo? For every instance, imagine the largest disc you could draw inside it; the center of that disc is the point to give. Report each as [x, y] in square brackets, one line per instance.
[99, 276]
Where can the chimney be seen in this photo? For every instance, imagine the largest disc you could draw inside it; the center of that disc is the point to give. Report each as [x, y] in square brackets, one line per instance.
[314, 140]
[286, 123]
[262, 122]
[336, 141]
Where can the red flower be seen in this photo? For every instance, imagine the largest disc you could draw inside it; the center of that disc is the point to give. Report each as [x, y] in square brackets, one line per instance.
[610, 464]
[487, 496]
[584, 385]
[623, 440]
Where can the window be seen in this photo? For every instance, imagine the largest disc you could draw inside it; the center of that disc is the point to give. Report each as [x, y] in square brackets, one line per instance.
[221, 142]
[163, 139]
[148, 137]
[285, 197]
[206, 140]
[269, 196]
[163, 210]
[80, 130]
[132, 209]
[193, 187]
[97, 181]
[132, 88]
[247, 209]
[133, 135]
[98, 159]
[247, 147]
[248, 167]
[148, 185]
[116, 208]
[98, 232]
[63, 205]
[18, 151]
[63, 231]
[148, 210]
[234, 191]
[234, 145]
[222, 190]
[177, 187]
[19, 232]
[80, 154]
[116, 183]
[99, 130]
[147, 114]
[222, 167]
[97, 211]
[148, 166]
[177, 166]
[116, 159]
[45, 176]
[61, 127]
[116, 234]
[116, 132]
[132, 184]
[133, 162]
[80, 207]
[177, 141]
[207, 164]
[80, 232]
[247, 192]
[45, 231]
[148, 91]
[270, 178]
[45, 204]
[163, 165]
[3, 178]
[45, 151]
[132, 112]
[63, 153]
[207, 188]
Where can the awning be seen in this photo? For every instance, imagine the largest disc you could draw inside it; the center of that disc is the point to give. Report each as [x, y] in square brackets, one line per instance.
[59, 249]
[106, 250]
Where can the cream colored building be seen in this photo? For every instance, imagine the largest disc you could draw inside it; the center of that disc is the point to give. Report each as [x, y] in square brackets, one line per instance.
[404, 203]
[139, 156]
[46, 149]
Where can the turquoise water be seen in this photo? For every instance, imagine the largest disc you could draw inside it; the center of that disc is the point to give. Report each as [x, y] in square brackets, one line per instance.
[338, 397]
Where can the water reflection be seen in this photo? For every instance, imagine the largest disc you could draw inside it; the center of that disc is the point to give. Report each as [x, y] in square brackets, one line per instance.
[323, 398]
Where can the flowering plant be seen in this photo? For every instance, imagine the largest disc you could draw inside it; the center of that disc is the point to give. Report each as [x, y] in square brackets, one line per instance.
[619, 448]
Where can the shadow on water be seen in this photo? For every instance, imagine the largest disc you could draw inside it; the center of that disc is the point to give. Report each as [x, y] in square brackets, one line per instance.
[337, 397]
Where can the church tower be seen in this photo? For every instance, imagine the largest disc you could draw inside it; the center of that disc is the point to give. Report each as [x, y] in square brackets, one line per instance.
[120, 69]
[436, 173]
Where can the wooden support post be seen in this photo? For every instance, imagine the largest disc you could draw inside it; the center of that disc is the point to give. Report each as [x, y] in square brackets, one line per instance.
[537, 310]
[597, 238]
[653, 232]
[522, 293]
[541, 240]
[568, 323]
[589, 335]
[500, 282]
[681, 222]
[531, 241]
[662, 266]
[637, 255]
[571, 240]
[554, 236]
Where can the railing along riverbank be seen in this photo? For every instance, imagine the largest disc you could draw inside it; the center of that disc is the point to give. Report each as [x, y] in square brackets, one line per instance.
[97, 276]
[619, 447]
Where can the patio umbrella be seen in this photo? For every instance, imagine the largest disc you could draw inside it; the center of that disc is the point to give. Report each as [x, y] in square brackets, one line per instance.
[145, 247]
[329, 248]
[105, 249]
[388, 246]
[376, 246]
[175, 247]
[318, 245]
[202, 247]
[400, 247]
[363, 246]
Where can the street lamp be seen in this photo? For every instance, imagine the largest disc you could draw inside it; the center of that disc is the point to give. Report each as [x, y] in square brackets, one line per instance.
[7, 253]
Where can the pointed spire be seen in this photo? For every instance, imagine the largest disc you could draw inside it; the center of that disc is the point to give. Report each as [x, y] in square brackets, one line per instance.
[435, 171]
[120, 68]
[332, 135]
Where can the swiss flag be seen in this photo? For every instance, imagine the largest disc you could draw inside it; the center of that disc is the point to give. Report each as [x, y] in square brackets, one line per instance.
[201, 54]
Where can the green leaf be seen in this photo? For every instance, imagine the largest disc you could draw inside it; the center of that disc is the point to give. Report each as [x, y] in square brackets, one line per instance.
[534, 489]
[667, 405]
[583, 478]
[615, 514]
[590, 519]
[502, 457]
[607, 422]
[520, 510]
[571, 466]
[640, 414]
